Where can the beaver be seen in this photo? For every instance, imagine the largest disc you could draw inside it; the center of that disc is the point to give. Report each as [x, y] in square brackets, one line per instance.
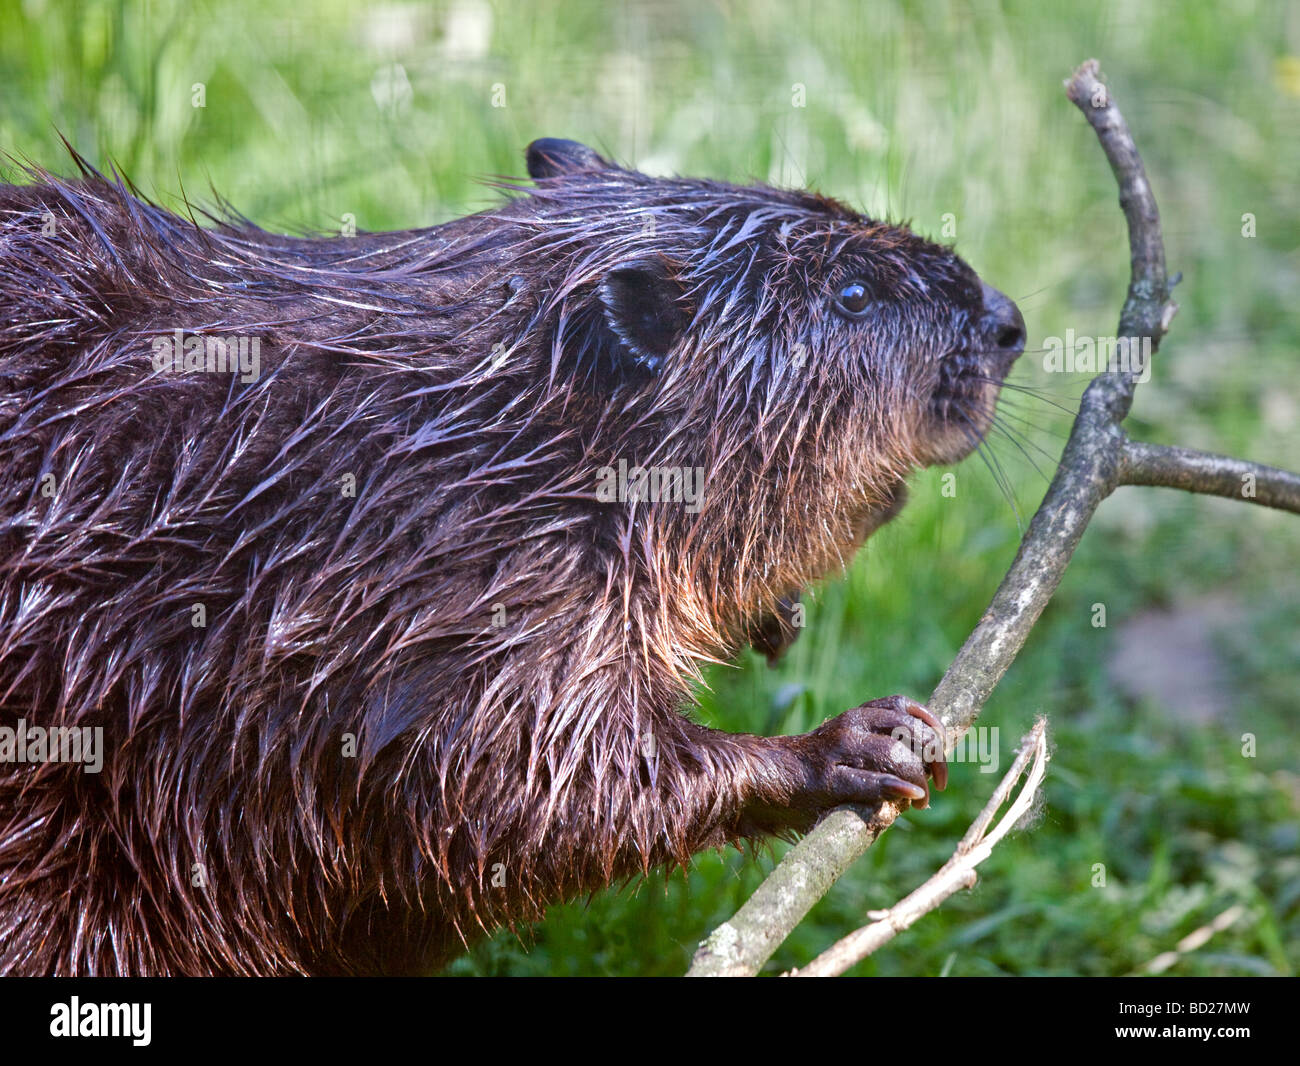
[378, 568]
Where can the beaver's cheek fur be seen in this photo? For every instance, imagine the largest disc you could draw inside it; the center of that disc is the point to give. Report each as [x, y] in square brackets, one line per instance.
[944, 441]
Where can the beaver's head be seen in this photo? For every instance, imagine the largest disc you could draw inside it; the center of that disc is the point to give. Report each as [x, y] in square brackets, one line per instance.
[804, 356]
[783, 298]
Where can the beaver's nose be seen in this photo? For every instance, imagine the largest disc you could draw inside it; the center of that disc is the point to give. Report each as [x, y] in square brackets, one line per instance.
[1002, 324]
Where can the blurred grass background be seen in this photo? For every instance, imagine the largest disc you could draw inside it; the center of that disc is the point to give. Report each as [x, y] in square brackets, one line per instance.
[391, 113]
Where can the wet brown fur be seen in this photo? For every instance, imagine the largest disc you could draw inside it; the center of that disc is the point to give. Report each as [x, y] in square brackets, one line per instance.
[470, 380]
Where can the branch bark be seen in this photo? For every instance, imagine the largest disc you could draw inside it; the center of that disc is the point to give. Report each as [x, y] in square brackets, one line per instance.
[1215, 475]
[1089, 471]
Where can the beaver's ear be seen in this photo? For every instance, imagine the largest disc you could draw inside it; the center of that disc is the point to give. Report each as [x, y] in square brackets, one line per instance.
[645, 308]
[550, 157]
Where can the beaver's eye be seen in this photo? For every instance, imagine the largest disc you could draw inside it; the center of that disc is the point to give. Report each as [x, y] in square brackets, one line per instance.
[854, 298]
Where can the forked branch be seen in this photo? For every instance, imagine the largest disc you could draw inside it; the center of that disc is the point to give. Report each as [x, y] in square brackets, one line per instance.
[1097, 458]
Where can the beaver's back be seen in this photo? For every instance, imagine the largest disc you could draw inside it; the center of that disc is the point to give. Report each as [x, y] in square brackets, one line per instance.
[324, 518]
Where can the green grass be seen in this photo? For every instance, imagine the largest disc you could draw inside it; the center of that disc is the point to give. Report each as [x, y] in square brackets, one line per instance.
[915, 111]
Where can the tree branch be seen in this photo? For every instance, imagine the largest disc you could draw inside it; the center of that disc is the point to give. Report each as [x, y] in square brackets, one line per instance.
[1214, 475]
[1089, 470]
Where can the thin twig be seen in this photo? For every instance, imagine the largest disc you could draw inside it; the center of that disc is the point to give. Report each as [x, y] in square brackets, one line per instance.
[1192, 941]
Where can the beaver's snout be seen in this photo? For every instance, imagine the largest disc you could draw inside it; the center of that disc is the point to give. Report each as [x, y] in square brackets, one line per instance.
[1003, 327]
[969, 379]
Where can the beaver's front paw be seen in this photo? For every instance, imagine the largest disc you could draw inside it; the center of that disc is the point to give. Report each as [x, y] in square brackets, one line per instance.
[885, 749]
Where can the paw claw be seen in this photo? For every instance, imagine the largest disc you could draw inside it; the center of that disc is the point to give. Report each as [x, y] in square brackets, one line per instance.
[920, 797]
[886, 749]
